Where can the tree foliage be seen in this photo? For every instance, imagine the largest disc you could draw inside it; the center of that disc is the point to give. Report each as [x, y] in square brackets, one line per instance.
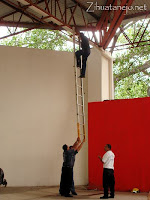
[40, 39]
[132, 66]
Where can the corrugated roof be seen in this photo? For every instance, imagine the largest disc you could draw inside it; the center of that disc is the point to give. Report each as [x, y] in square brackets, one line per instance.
[31, 16]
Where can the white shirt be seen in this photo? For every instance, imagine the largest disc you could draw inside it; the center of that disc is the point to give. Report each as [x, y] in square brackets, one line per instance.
[108, 160]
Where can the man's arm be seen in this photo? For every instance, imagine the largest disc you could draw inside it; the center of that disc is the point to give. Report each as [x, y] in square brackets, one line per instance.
[76, 144]
[79, 147]
[100, 159]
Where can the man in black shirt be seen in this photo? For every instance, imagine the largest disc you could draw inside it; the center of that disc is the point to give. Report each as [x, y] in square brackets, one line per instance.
[67, 168]
[85, 52]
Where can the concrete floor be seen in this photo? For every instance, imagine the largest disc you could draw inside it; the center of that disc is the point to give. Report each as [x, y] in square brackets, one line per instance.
[51, 193]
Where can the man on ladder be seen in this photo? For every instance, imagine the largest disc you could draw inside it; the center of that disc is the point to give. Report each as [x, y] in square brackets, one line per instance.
[85, 52]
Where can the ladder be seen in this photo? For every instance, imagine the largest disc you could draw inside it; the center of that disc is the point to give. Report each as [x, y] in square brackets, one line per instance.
[80, 105]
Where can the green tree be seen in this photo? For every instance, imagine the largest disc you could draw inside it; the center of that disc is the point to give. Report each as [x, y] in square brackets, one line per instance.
[132, 66]
[40, 39]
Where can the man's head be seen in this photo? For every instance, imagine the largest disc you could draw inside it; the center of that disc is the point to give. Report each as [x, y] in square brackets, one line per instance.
[65, 147]
[71, 147]
[107, 147]
[81, 35]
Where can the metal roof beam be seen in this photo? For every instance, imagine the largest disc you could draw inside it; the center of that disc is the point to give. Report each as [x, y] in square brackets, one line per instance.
[16, 33]
[7, 15]
[22, 24]
[85, 8]
[127, 44]
[46, 17]
[107, 27]
[30, 15]
[12, 13]
[140, 14]
[17, 8]
[40, 26]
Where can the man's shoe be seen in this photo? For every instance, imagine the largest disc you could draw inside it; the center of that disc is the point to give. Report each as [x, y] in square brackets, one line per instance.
[68, 195]
[78, 66]
[103, 197]
[74, 193]
[81, 76]
[5, 182]
[111, 197]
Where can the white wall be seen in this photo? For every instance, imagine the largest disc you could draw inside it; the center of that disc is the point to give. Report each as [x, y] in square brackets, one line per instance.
[38, 112]
[100, 76]
[37, 116]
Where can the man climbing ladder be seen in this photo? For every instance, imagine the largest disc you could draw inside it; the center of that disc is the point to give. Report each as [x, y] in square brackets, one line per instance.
[79, 86]
[85, 52]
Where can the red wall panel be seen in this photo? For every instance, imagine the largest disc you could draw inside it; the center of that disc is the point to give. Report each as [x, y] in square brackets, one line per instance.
[125, 124]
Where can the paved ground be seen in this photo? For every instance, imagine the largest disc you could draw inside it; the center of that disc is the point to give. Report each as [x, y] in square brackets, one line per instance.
[51, 193]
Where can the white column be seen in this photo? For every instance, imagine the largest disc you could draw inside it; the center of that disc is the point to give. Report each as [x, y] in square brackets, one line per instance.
[100, 76]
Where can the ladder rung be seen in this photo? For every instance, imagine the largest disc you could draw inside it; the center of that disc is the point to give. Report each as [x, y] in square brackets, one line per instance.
[79, 105]
[80, 114]
[79, 86]
[79, 95]
[81, 124]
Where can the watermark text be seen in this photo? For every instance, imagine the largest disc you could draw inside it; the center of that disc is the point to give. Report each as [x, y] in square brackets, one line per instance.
[94, 6]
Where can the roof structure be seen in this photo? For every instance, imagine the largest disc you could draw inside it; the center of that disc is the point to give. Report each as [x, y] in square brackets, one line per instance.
[104, 16]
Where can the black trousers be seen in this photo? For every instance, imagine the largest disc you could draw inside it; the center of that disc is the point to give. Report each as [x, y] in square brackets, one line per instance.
[2, 179]
[66, 180]
[84, 59]
[108, 182]
[72, 189]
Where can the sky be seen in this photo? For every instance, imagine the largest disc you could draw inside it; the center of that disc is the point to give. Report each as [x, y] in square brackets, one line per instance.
[3, 31]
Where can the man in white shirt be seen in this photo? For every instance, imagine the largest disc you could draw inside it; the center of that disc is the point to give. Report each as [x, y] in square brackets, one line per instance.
[108, 172]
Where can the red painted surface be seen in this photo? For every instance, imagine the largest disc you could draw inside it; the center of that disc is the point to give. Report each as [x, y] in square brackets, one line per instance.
[125, 124]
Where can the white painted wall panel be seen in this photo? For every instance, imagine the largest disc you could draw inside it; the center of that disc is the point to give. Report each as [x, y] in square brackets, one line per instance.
[105, 78]
[37, 116]
[100, 76]
[38, 113]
